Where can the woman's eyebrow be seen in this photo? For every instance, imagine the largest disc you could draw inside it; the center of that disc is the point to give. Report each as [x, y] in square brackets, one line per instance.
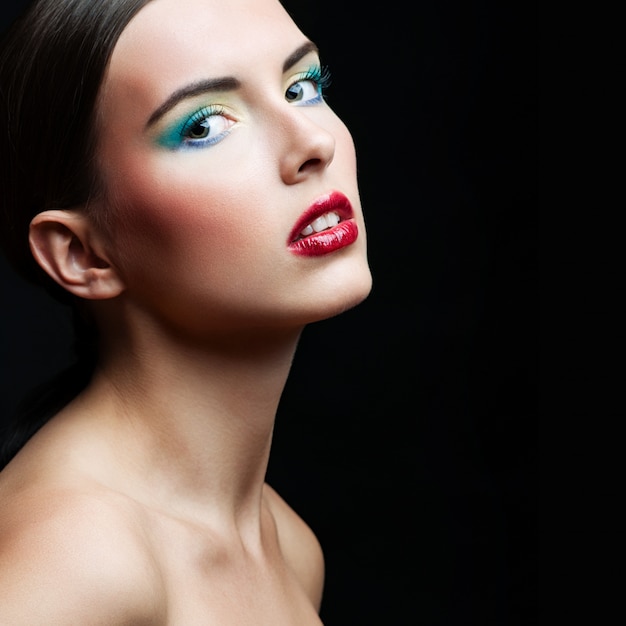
[300, 52]
[227, 83]
[189, 91]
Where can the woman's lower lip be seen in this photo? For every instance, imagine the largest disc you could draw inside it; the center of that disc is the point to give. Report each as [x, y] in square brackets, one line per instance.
[327, 241]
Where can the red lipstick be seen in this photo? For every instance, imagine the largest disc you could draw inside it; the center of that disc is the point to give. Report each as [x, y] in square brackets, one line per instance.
[327, 225]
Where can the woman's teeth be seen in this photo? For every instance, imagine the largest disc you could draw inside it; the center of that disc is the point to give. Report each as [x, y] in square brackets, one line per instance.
[328, 220]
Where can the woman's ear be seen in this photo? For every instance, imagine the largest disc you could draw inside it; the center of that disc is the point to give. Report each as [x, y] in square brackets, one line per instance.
[66, 246]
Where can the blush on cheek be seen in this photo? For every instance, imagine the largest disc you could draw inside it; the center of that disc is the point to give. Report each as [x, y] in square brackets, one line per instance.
[171, 221]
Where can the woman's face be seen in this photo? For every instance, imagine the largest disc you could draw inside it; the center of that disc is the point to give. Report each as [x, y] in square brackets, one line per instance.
[214, 144]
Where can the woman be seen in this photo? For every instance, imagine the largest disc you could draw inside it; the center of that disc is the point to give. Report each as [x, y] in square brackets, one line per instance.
[179, 179]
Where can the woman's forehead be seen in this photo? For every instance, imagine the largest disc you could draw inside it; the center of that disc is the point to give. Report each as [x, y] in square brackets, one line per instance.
[218, 30]
[171, 42]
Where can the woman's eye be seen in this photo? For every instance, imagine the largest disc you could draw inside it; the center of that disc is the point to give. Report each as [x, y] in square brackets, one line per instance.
[200, 130]
[304, 91]
[309, 89]
[205, 128]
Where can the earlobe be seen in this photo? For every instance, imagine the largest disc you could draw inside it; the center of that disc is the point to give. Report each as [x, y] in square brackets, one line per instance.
[66, 247]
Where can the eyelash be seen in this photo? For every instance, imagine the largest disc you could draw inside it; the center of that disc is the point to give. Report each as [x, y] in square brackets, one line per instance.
[200, 116]
[321, 76]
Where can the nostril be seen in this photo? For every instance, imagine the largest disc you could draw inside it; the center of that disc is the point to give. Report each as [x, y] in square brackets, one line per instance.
[310, 164]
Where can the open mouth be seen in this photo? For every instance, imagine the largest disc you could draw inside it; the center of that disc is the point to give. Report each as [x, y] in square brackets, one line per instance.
[323, 222]
[327, 225]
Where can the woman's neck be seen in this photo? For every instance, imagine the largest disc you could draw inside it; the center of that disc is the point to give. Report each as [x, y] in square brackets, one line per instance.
[191, 421]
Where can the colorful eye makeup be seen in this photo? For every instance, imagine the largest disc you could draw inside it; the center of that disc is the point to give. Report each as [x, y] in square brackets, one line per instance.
[310, 86]
[205, 127]
[210, 124]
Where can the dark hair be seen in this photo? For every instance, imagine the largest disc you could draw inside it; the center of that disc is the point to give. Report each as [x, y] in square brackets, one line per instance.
[52, 63]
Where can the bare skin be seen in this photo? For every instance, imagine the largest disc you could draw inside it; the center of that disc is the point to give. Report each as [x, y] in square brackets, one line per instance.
[144, 501]
[107, 520]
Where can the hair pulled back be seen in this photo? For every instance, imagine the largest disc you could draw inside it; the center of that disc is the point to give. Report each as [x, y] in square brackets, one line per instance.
[52, 63]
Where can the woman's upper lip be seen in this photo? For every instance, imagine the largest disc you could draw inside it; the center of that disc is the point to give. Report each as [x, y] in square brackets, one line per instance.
[334, 201]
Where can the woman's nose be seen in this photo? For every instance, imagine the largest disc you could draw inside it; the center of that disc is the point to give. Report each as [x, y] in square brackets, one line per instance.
[309, 147]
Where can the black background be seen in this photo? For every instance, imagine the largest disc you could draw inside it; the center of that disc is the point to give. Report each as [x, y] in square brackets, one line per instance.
[407, 432]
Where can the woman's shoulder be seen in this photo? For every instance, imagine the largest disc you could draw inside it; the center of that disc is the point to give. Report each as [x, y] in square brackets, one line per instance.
[69, 554]
[299, 544]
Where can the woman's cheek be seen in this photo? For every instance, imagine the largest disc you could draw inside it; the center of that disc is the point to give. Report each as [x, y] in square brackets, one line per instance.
[184, 224]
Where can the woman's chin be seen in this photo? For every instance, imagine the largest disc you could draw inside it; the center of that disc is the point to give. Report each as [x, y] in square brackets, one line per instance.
[345, 298]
